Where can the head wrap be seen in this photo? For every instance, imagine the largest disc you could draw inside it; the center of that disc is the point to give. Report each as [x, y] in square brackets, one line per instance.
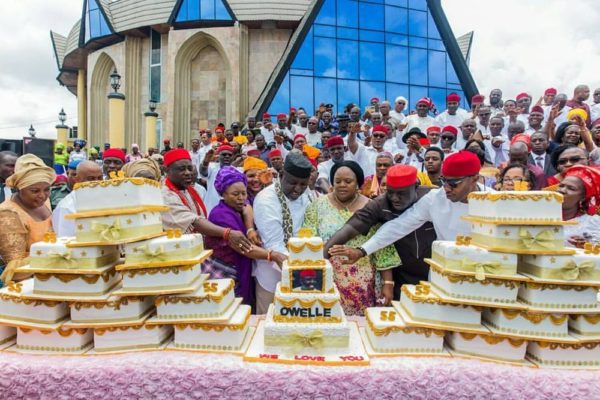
[73, 164]
[299, 135]
[157, 157]
[131, 169]
[172, 156]
[297, 164]
[374, 100]
[226, 177]
[334, 141]
[400, 176]
[413, 131]
[241, 140]
[29, 170]
[93, 151]
[591, 181]
[381, 128]
[254, 163]
[114, 153]
[308, 273]
[281, 116]
[463, 163]
[450, 128]
[522, 96]
[60, 146]
[577, 112]
[224, 147]
[425, 101]
[275, 153]
[537, 109]
[135, 145]
[522, 137]
[310, 151]
[551, 91]
[434, 128]
[478, 98]
[401, 98]
[453, 97]
[354, 166]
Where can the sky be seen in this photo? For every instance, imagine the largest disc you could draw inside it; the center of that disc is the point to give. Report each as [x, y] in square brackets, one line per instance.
[518, 46]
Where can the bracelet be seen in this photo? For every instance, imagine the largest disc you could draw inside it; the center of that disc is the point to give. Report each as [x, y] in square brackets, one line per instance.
[363, 251]
[269, 253]
[389, 282]
[226, 234]
[250, 230]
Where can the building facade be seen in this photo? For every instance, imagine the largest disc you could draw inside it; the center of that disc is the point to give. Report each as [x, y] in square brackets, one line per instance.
[210, 61]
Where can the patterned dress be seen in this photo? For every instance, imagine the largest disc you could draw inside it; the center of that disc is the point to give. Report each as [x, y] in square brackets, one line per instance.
[356, 282]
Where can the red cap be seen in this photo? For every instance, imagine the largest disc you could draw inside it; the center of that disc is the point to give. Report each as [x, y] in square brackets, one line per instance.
[400, 176]
[113, 153]
[60, 179]
[334, 141]
[175, 155]
[434, 128]
[253, 153]
[266, 115]
[292, 109]
[166, 140]
[478, 98]
[522, 96]
[381, 128]
[275, 153]
[281, 115]
[537, 109]
[450, 128]
[224, 147]
[551, 91]
[375, 100]
[219, 129]
[522, 137]
[453, 97]
[424, 100]
[308, 273]
[299, 135]
[463, 163]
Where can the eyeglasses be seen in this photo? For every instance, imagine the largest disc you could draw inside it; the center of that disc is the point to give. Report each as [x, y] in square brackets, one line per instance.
[452, 183]
[570, 160]
[401, 102]
[447, 137]
[379, 136]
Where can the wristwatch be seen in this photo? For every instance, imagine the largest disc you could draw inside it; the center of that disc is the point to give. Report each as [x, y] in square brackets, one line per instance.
[363, 251]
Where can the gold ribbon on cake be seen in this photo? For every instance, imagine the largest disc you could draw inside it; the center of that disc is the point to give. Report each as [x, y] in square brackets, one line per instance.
[57, 260]
[57, 257]
[143, 254]
[571, 271]
[545, 239]
[107, 232]
[482, 268]
[314, 340]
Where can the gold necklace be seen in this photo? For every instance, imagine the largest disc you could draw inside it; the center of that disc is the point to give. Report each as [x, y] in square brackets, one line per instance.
[343, 206]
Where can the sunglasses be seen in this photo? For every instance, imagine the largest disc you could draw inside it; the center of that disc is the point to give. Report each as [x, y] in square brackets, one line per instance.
[447, 137]
[452, 183]
[570, 160]
[379, 136]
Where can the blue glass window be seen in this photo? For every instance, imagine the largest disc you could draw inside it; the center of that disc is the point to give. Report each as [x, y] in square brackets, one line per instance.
[198, 10]
[359, 49]
[155, 62]
[96, 25]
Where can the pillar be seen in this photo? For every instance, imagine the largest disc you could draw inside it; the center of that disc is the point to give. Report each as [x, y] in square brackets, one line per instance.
[150, 118]
[81, 105]
[62, 134]
[116, 120]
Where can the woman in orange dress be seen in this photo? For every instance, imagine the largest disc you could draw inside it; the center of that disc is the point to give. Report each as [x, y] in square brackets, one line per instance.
[26, 217]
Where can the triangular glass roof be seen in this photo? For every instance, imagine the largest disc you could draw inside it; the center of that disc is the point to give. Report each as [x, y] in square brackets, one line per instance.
[96, 24]
[203, 10]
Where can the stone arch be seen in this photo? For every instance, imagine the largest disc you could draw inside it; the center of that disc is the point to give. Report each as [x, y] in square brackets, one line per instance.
[197, 45]
[100, 88]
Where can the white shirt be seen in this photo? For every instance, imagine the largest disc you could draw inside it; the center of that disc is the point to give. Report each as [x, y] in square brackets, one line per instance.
[313, 139]
[196, 160]
[398, 116]
[61, 225]
[324, 168]
[300, 129]
[499, 154]
[455, 120]
[421, 123]
[416, 160]
[269, 223]
[269, 135]
[539, 160]
[434, 207]
[595, 112]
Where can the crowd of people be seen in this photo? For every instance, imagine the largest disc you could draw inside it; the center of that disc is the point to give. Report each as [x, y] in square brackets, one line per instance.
[379, 185]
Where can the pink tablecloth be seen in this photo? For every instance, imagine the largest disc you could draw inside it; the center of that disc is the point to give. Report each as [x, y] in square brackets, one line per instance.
[180, 375]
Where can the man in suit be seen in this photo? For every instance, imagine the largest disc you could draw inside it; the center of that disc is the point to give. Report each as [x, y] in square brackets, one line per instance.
[7, 168]
[539, 155]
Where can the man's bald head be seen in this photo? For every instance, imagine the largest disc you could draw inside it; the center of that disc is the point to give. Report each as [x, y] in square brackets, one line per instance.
[519, 152]
[7, 164]
[88, 171]
[581, 92]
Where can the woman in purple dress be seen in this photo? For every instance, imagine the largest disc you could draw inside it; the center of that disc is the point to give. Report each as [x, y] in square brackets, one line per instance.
[231, 185]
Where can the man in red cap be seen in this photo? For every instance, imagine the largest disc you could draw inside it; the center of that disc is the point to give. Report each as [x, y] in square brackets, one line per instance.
[267, 128]
[112, 161]
[548, 98]
[448, 138]
[282, 127]
[433, 134]
[443, 207]
[210, 169]
[454, 115]
[186, 209]
[421, 119]
[402, 192]
[276, 160]
[524, 102]
[534, 122]
[337, 151]
[366, 156]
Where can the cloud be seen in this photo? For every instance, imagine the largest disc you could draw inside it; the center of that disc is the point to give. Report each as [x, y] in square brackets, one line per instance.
[530, 45]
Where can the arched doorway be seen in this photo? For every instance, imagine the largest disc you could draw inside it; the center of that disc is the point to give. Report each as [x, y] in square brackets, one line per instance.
[202, 86]
[100, 88]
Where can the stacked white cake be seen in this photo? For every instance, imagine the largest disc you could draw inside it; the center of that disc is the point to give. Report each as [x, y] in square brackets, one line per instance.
[511, 292]
[83, 295]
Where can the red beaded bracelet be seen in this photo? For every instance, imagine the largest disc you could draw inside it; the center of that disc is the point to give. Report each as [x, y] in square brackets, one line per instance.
[269, 253]
[226, 234]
